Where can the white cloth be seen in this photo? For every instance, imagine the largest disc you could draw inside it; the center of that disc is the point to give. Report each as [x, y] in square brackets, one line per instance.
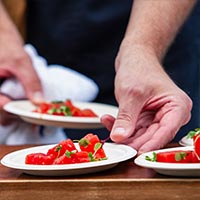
[59, 83]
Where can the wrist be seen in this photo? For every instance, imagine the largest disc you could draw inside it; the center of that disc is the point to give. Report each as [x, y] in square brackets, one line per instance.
[8, 30]
[132, 51]
[144, 45]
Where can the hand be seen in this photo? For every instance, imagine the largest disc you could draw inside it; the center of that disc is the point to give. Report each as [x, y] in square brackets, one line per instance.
[151, 107]
[15, 62]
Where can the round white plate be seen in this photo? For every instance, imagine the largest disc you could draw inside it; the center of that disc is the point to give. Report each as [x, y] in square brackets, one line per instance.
[115, 152]
[25, 108]
[185, 141]
[172, 169]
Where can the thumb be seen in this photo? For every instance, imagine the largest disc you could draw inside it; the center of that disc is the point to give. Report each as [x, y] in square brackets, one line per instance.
[125, 121]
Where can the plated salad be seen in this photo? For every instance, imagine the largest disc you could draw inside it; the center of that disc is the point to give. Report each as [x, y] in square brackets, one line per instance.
[64, 108]
[90, 149]
[180, 156]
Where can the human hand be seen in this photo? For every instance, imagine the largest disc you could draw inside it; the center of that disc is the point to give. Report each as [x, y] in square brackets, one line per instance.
[151, 107]
[15, 62]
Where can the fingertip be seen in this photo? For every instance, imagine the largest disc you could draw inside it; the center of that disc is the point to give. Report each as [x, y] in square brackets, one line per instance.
[122, 130]
[37, 97]
[118, 134]
[150, 146]
[141, 151]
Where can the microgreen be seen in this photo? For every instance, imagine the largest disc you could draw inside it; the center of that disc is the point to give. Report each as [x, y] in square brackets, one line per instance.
[97, 146]
[58, 148]
[180, 156]
[192, 133]
[66, 110]
[152, 159]
[57, 102]
[91, 157]
[69, 153]
[84, 142]
[52, 110]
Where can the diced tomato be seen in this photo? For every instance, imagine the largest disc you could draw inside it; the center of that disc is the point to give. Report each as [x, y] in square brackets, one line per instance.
[73, 157]
[43, 108]
[66, 108]
[91, 143]
[194, 158]
[38, 159]
[82, 156]
[65, 152]
[100, 154]
[88, 142]
[175, 157]
[59, 149]
[196, 140]
[69, 104]
[88, 113]
[76, 112]
[67, 158]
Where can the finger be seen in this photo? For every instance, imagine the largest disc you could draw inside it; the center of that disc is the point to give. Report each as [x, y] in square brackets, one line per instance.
[165, 133]
[29, 79]
[143, 137]
[107, 121]
[137, 134]
[161, 137]
[145, 120]
[125, 122]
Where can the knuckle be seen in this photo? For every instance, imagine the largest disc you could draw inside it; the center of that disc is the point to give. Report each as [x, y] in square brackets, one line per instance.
[124, 116]
[128, 89]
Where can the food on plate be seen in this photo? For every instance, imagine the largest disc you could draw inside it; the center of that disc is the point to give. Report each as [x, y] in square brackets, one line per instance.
[64, 108]
[180, 156]
[195, 136]
[188, 139]
[90, 149]
[193, 133]
[196, 141]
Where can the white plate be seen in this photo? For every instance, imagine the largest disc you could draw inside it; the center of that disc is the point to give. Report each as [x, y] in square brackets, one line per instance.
[24, 109]
[115, 152]
[172, 169]
[185, 141]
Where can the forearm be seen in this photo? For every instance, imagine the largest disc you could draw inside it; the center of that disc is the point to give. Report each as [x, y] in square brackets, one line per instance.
[8, 30]
[154, 24]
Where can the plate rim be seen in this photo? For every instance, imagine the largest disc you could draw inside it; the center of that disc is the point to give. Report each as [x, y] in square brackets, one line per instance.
[183, 141]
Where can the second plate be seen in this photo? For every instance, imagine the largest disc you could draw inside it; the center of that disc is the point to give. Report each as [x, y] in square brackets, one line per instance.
[172, 169]
[24, 109]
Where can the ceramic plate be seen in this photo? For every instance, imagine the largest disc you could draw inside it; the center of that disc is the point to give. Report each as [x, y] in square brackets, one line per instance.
[115, 152]
[24, 109]
[172, 169]
[185, 141]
